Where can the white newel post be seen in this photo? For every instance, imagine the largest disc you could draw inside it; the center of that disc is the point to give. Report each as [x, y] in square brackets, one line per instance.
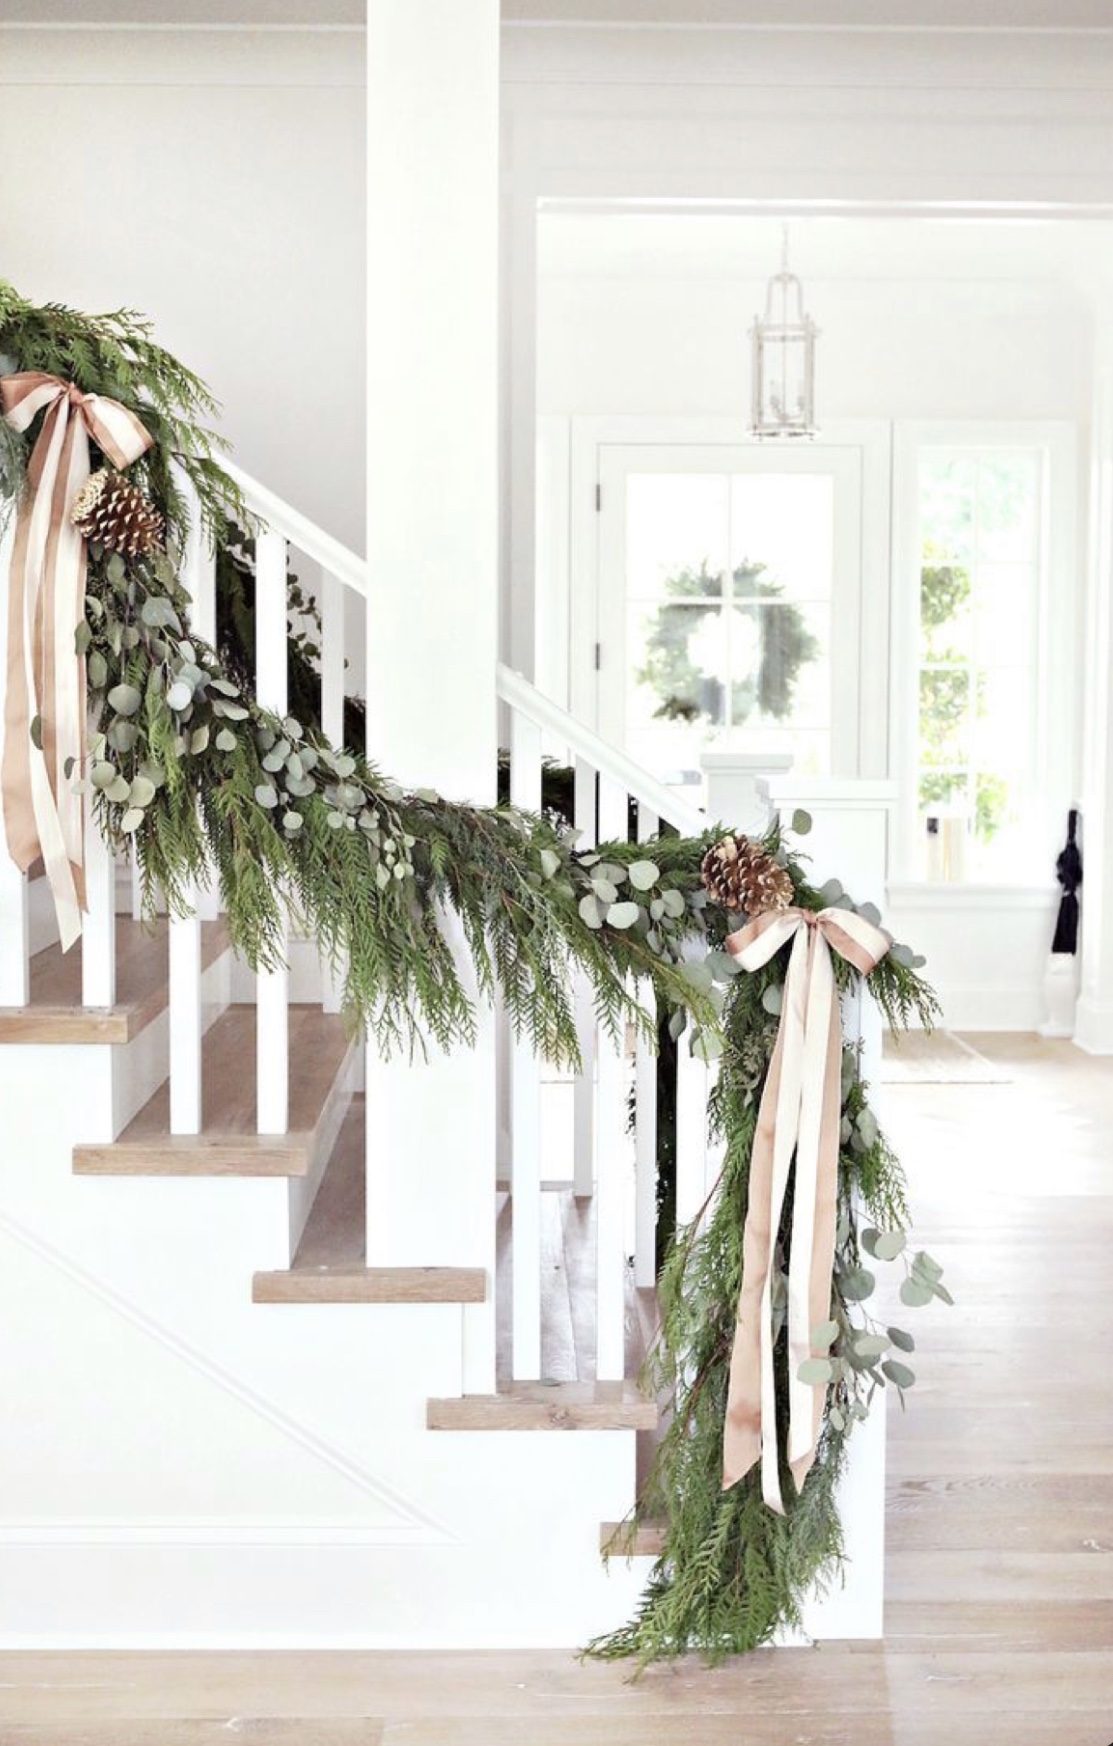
[15, 933]
[432, 560]
[1094, 1023]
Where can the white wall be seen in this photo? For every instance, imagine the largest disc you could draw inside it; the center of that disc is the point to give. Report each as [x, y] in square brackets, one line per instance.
[216, 181]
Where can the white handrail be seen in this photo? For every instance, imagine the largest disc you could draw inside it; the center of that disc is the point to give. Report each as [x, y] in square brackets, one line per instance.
[605, 758]
[332, 556]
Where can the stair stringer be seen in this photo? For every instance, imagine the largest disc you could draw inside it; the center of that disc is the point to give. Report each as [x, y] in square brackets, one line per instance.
[379, 1533]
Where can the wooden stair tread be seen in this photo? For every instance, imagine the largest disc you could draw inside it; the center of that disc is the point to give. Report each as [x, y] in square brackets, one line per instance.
[55, 1013]
[632, 1540]
[228, 1144]
[330, 1264]
[540, 1406]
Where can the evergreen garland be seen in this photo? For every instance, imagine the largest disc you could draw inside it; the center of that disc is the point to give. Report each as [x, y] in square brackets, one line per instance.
[207, 785]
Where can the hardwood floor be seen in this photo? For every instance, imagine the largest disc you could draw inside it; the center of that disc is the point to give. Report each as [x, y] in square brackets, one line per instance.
[1000, 1543]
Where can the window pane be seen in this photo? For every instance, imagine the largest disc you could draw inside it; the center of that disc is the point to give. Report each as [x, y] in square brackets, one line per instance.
[783, 527]
[679, 664]
[780, 665]
[676, 534]
[948, 490]
[945, 616]
[1005, 613]
[1008, 506]
[944, 716]
[1004, 718]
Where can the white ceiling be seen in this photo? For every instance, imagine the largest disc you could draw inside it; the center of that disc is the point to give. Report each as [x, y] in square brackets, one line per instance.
[716, 246]
[328, 14]
[829, 14]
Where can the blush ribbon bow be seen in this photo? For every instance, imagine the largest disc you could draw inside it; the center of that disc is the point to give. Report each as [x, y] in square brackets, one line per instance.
[43, 815]
[799, 1115]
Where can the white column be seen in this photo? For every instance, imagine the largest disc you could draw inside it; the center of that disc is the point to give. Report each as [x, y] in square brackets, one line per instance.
[432, 556]
[272, 986]
[525, 1110]
[1094, 1031]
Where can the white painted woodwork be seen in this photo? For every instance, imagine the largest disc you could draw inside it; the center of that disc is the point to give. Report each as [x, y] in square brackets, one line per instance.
[272, 985]
[332, 658]
[691, 1131]
[611, 1177]
[645, 1124]
[525, 1111]
[583, 1092]
[433, 550]
[186, 1024]
[98, 929]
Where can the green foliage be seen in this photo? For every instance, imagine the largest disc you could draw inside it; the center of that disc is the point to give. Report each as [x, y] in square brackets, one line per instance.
[208, 786]
[687, 691]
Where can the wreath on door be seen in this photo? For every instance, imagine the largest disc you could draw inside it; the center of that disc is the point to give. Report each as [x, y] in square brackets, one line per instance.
[673, 667]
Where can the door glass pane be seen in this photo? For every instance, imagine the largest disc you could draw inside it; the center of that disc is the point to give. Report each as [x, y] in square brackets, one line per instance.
[676, 534]
[729, 580]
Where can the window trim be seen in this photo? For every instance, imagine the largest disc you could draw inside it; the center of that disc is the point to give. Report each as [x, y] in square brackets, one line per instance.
[1057, 648]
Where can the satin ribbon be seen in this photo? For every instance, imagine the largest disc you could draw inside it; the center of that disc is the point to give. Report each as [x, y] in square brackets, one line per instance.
[46, 602]
[799, 1115]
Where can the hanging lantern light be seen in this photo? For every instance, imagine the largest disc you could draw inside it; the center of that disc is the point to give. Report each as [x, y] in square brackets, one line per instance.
[784, 359]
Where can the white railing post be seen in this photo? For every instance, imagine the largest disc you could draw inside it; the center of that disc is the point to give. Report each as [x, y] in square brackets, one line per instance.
[272, 986]
[611, 1171]
[332, 659]
[15, 927]
[98, 928]
[184, 957]
[525, 1111]
[645, 1125]
[583, 1090]
[691, 1132]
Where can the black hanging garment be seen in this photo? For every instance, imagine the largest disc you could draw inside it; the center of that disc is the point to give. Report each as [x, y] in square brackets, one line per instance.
[1068, 870]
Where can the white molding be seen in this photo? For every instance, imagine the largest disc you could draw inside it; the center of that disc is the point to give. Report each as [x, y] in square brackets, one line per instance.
[183, 1531]
[942, 895]
[411, 1516]
[123, 56]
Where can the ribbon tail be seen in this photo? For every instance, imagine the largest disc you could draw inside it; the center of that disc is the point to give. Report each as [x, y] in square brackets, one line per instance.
[815, 1207]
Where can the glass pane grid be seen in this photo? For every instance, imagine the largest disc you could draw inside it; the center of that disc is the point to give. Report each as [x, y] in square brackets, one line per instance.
[979, 593]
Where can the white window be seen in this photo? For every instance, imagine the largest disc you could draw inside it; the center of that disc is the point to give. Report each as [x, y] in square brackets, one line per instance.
[988, 771]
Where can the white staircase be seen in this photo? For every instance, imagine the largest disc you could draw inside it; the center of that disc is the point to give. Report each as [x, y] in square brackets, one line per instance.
[223, 1426]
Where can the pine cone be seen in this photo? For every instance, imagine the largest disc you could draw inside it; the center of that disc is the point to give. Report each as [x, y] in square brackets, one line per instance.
[117, 514]
[741, 876]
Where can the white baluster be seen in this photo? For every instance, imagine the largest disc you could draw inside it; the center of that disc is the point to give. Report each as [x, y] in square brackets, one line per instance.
[645, 1125]
[15, 927]
[98, 928]
[184, 956]
[614, 811]
[583, 1091]
[691, 1132]
[272, 986]
[611, 1175]
[332, 659]
[525, 1110]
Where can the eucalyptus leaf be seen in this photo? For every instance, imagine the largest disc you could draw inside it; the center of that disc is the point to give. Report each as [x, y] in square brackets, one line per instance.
[604, 889]
[831, 892]
[266, 795]
[142, 792]
[825, 1334]
[901, 1339]
[97, 669]
[104, 774]
[590, 913]
[226, 740]
[773, 998]
[889, 1245]
[707, 1045]
[199, 740]
[622, 915]
[898, 1373]
[118, 790]
[179, 696]
[914, 1294]
[857, 1285]
[125, 699]
[697, 975]
[131, 820]
[292, 822]
[815, 1371]
[657, 909]
[643, 874]
[674, 904]
[550, 863]
[677, 1021]
[801, 822]
[82, 638]
[871, 1345]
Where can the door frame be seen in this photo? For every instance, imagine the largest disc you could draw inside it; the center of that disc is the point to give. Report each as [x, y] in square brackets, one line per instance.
[872, 438]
